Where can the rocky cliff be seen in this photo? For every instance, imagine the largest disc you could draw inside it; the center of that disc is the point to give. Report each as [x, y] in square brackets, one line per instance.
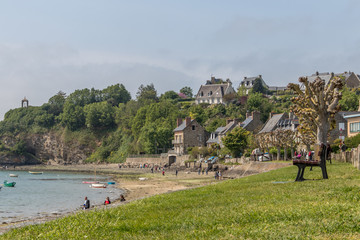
[46, 148]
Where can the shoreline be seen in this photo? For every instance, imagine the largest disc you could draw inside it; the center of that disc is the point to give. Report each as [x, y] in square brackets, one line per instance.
[126, 179]
[135, 189]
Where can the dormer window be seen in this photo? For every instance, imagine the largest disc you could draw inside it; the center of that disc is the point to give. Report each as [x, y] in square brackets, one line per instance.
[210, 93]
[193, 127]
[202, 94]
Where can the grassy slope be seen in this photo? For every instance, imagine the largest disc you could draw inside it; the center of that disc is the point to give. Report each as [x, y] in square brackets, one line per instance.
[249, 208]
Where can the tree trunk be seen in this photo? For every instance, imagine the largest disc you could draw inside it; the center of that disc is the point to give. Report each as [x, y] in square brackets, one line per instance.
[322, 132]
[278, 153]
[285, 153]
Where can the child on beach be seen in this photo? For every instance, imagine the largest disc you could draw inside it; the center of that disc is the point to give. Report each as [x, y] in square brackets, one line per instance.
[86, 203]
[107, 201]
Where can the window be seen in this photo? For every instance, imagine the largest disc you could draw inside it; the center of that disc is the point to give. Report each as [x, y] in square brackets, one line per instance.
[355, 127]
[193, 127]
[341, 126]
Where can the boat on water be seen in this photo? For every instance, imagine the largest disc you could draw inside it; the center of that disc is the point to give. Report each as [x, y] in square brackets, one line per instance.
[13, 175]
[90, 182]
[9, 184]
[111, 183]
[36, 173]
[98, 185]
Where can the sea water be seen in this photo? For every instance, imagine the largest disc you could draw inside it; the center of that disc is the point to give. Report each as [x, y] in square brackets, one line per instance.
[49, 193]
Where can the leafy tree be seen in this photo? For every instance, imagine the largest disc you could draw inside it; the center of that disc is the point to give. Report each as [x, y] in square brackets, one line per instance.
[258, 86]
[187, 91]
[56, 103]
[349, 100]
[169, 95]
[146, 93]
[99, 115]
[84, 97]
[116, 94]
[236, 141]
[256, 101]
[73, 116]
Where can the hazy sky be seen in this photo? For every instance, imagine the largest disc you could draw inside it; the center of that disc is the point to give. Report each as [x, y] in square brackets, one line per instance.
[48, 46]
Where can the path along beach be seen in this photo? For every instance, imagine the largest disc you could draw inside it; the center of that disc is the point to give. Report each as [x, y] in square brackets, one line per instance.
[149, 185]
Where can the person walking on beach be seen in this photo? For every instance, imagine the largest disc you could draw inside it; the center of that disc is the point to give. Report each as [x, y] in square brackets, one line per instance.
[176, 172]
[107, 201]
[163, 172]
[86, 203]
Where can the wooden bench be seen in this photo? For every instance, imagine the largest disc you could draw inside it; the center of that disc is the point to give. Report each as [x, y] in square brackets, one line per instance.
[302, 164]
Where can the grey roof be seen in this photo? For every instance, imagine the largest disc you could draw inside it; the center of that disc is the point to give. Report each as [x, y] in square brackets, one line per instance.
[274, 88]
[219, 129]
[182, 126]
[270, 125]
[246, 122]
[252, 79]
[230, 126]
[328, 76]
[214, 90]
[343, 114]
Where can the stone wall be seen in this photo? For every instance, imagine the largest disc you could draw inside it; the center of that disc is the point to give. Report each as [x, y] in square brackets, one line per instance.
[160, 161]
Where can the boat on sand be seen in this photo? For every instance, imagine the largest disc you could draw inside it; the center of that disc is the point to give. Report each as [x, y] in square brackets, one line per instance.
[13, 175]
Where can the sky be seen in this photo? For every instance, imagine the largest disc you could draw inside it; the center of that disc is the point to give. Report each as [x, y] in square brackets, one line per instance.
[65, 45]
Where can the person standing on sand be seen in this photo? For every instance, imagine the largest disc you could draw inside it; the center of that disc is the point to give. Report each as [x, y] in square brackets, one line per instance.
[86, 203]
[163, 172]
[176, 172]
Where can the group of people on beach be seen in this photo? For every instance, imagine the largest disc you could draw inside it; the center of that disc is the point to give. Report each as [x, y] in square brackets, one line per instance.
[107, 201]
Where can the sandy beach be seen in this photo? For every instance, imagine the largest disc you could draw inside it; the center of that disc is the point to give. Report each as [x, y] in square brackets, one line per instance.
[141, 183]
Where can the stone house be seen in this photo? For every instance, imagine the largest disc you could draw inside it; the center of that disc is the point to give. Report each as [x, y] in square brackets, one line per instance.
[252, 123]
[213, 91]
[188, 133]
[221, 132]
[351, 79]
[283, 121]
[248, 83]
[341, 128]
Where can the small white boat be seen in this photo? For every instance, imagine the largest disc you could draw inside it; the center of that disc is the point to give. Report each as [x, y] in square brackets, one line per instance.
[35, 173]
[13, 175]
[142, 178]
[98, 185]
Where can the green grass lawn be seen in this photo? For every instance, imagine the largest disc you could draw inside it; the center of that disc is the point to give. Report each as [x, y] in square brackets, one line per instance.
[254, 207]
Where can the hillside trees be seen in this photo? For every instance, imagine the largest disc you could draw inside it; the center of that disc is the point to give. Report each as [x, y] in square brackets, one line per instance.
[187, 91]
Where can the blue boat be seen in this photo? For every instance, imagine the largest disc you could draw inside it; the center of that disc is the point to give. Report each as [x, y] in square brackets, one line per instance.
[111, 183]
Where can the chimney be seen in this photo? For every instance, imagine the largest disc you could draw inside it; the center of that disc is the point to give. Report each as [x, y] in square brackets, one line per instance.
[291, 115]
[248, 114]
[245, 78]
[187, 121]
[236, 120]
[255, 115]
[178, 122]
[229, 120]
[332, 74]
[271, 114]
[260, 76]
[317, 73]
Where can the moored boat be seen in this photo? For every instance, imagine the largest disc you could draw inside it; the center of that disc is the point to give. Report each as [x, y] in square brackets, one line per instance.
[9, 184]
[35, 173]
[13, 175]
[111, 183]
[90, 182]
[98, 185]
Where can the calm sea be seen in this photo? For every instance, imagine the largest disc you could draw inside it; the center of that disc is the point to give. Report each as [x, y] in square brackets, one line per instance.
[49, 193]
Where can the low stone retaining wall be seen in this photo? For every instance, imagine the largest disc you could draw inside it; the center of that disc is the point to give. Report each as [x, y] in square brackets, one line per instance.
[160, 161]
